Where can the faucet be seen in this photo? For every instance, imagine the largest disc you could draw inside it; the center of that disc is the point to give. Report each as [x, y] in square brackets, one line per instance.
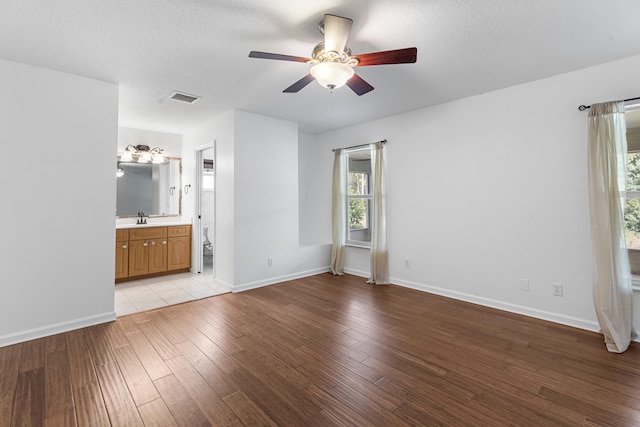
[142, 219]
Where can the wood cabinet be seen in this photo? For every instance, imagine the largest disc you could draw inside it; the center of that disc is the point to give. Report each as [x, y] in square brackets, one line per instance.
[152, 251]
[158, 255]
[138, 257]
[122, 253]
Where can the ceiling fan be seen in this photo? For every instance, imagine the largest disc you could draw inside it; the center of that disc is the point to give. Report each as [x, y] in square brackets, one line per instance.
[332, 62]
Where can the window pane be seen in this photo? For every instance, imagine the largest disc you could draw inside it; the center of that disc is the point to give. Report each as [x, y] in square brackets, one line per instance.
[358, 213]
[207, 182]
[633, 171]
[632, 223]
[358, 183]
[359, 220]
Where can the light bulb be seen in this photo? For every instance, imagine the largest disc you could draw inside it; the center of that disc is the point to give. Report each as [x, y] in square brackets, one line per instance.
[145, 157]
[332, 74]
[127, 156]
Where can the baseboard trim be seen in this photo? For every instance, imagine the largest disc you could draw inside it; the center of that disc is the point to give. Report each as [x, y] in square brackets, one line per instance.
[359, 273]
[57, 328]
[227, 286]
[501, 305]
[278, 279]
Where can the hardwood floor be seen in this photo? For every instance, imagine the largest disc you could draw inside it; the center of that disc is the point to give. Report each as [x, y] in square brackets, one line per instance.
[320, 351]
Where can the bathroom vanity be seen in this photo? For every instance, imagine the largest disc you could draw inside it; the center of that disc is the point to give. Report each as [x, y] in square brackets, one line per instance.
[147, 251]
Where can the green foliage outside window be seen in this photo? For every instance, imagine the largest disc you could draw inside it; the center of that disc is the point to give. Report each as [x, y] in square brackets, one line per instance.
[358, 185]
[632, 208]
[357, 213]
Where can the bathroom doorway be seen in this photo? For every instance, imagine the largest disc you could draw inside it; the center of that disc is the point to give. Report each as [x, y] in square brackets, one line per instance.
[205, 207]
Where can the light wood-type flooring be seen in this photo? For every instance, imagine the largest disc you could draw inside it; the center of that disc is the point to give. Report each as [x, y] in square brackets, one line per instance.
[321, 351]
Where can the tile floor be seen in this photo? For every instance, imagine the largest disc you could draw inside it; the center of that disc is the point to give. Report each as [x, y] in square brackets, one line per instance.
[146, 294]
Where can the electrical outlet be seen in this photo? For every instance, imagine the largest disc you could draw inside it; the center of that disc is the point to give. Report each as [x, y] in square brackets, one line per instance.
[524, 285]
[407, 263]
[269, 262]
[557, 289]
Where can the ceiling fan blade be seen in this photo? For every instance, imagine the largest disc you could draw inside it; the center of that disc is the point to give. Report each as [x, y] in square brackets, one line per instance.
[299, 84]
[358, 85]
[398, 56]
[277, 56]
[336, 32]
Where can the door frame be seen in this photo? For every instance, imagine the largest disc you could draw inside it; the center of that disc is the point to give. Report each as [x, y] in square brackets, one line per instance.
[199, 240]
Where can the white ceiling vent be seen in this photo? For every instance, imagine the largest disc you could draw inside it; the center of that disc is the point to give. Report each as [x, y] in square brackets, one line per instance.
[184, 97]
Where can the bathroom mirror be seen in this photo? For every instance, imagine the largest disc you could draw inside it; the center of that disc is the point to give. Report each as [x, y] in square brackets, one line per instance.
[155, 189]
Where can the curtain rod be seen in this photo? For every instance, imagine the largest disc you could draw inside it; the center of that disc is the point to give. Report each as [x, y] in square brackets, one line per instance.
[584, 107]
[384, 141]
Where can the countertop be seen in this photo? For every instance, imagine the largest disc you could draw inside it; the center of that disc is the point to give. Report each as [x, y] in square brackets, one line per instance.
[151, 223]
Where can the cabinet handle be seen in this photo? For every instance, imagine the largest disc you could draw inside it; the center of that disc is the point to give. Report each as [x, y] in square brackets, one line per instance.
[145, 244]
[153, 242]
[164, 242]
[124, 246]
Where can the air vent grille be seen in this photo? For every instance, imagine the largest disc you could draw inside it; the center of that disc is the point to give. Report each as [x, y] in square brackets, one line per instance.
[184, 97]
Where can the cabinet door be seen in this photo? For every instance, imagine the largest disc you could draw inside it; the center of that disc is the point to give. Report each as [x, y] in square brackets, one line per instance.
[138, 257]
[122, 259]
[179, 253]
[157, 255]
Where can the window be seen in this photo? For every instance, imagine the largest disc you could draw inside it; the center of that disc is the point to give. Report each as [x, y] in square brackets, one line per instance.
[632, 208]
[207, 181]
[359, 197]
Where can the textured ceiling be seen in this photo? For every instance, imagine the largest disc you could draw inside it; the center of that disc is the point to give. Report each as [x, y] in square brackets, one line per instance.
[154, 47]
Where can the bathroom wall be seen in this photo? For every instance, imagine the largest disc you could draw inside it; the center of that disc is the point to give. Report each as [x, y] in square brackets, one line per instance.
[57, 258]
[169, 142]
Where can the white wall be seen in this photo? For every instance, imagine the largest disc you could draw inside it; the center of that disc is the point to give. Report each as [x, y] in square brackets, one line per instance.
[57, 248]
[220, 130]
[314, 190]
[491, 189]
[257, 206]
[171, 143]
[266, 204]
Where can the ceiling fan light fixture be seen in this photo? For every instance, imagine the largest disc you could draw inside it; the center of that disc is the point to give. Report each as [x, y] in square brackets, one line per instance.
[332, 75]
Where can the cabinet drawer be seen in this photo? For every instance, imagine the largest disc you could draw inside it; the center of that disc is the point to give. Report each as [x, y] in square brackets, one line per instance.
[179, 230]
[122, 235]
[147, 233]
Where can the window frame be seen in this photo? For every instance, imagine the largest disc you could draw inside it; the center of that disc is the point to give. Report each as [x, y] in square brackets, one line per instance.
[368, 197]
[633, 253]
[629, 194]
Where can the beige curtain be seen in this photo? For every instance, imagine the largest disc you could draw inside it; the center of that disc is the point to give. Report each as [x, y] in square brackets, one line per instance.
[379, 244]
[612, 289]
[339, 212]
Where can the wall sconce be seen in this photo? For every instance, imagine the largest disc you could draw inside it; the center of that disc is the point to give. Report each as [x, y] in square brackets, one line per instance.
[143, 153]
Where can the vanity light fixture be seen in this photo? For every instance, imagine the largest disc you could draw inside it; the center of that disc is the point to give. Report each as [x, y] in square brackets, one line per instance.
[144, 154]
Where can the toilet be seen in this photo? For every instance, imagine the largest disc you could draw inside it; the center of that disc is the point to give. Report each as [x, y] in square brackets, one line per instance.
[207, 247]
